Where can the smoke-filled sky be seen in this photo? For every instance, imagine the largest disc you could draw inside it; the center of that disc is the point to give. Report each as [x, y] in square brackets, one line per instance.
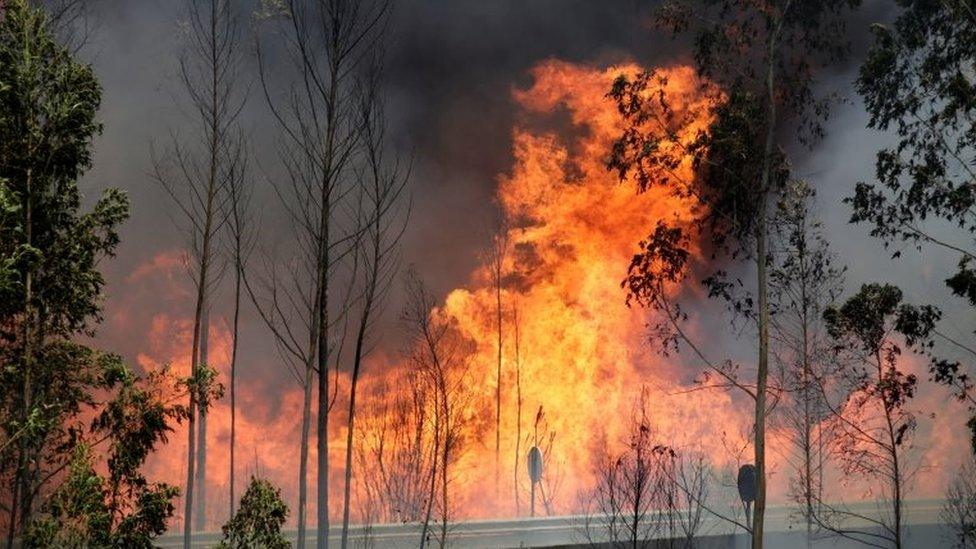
[453, 66]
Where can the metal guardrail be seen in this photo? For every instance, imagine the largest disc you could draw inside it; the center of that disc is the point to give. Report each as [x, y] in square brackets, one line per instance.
[563, 530]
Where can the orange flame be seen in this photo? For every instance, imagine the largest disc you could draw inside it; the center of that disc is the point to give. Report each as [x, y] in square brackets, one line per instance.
[572, 227]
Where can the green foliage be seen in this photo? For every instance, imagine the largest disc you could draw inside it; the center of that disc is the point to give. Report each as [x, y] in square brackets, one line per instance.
[121, 509]
[736, 42]
[804, 279]
[8, 209]
[259, 518]
[47, 122]
[757, 62]
[50, 284]
[77, 515]
[203, 384]
[862, 328]
[727, 157]
[918, 82]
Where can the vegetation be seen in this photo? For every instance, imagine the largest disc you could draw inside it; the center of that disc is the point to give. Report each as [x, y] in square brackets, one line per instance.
[759, 61]
[259, 518]
[122, 508]
[917, 83]
[78, 424]
[49, 253]
[804, 282]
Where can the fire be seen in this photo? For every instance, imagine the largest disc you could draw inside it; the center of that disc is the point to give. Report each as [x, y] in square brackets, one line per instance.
[583, 356]
[572, 227]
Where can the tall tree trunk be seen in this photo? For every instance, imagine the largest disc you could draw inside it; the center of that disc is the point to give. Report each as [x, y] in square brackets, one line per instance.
[324, 257]
[21, 478]
[806, 381]
[201, 469]
[233, 380]
[207, 234]
[350, 425]
[303, 457]
[761, 382]
[238, 268]
[447, 448]
[896, 507]
[434, 457]
[498, 377]
[518, 413]
[322, 425]
[191, 418]
[762, 283]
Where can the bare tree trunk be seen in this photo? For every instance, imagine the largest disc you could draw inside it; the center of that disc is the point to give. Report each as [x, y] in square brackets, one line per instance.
[326, 40]
[350, 425]
[761, 380]
[191, 418]
[518, 411]
[763, 290]
[497, 249]
[325, 243]
[424, 531]
[369, 294]
[498, 379]
[322, 425]
[201, 468]
[447, 447]
[806, 395]
[194, 365]
[238, 268]
[303, 457]
[378, 247]
[896, 500]
[207, 72]
[807, 422]
[241, 246]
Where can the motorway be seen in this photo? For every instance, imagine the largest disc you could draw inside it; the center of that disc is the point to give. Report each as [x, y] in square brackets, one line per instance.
[922, 521]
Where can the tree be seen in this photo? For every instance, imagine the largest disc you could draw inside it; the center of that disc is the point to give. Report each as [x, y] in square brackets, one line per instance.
[49, 252]
[439, 355]
[917, 82]
[122, 509]
[495, 255]
[241, 242]
[628, 489]
[758, 62]
[803, 282]
[259, 518]
[873, 421]
[396, 450]
[959, 510]
[196, 177]
[70, 21]
[517, 462]
[646, 495]
[324, 43]
[384, 182]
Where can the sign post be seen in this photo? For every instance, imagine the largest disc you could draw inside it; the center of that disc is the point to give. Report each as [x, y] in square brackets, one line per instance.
[535, 472]
[747, 490]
